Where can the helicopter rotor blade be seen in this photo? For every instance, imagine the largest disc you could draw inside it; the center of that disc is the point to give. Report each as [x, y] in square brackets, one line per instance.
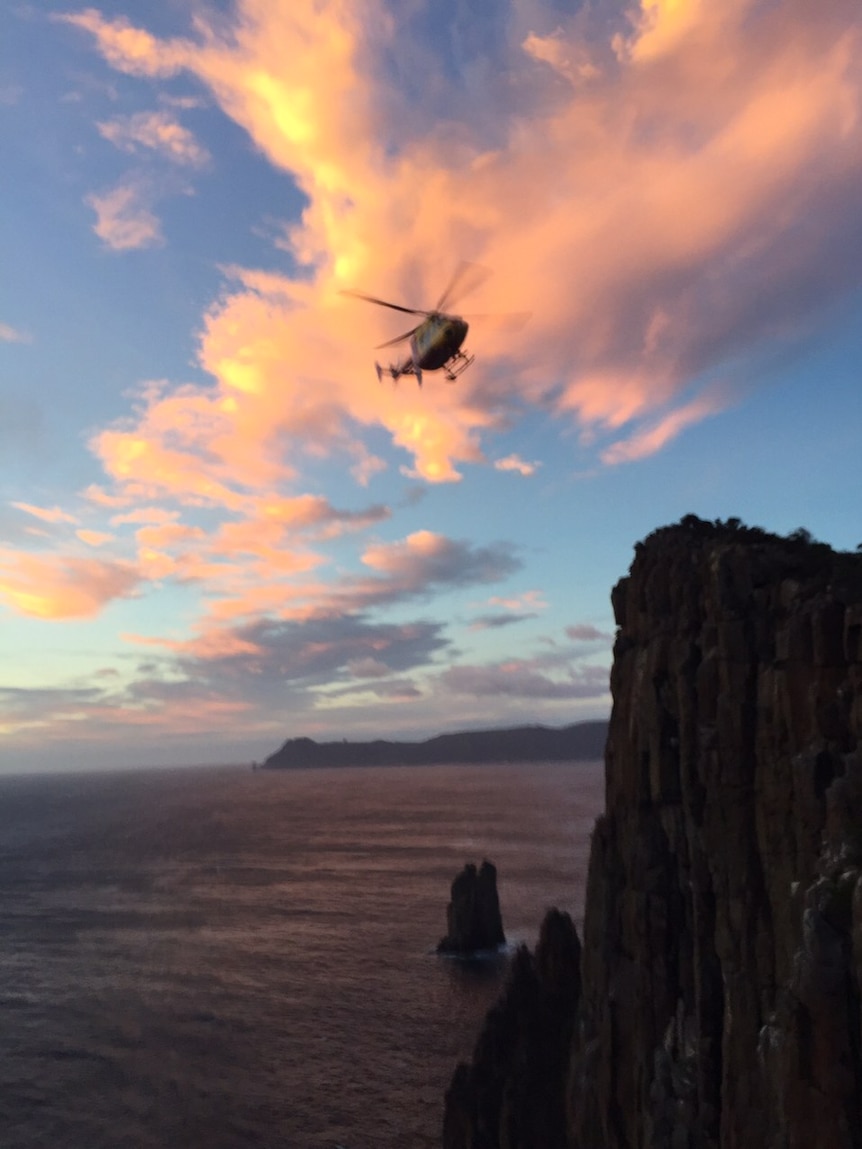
[398, 338]
[514, 320]
[385, 303]
[468, 277]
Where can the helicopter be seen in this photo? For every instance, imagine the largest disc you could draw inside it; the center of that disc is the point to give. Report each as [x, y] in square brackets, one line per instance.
[436, 342]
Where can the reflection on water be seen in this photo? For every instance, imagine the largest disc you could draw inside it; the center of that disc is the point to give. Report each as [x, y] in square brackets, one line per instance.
[224, 958]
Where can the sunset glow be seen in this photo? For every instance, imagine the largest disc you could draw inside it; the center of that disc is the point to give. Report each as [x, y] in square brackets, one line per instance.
[221, 529]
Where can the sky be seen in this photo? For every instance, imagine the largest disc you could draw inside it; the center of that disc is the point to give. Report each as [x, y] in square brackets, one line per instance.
[220, 530]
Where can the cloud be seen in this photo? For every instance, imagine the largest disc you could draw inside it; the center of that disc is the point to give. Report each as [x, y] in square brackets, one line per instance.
[668, 191]
[158, 132]
[661, 26]
[653, 438]
[388, 690]
[249, 562]
[268, 657]
[497, 621]
[586, 632]
[696, 166]
[531, 600]
[515, 608]
[62, 587]
[398, 690]
[273, 638]
[10, 334]
[515, 463]
[124, 221]
[520, 679]
[274, 580]
[152, 709]
[571, 60]
[94, 538]
[40, 708]
[46, 514]
[368, 667]
[127, 48]
[425, 561]
[316, 515]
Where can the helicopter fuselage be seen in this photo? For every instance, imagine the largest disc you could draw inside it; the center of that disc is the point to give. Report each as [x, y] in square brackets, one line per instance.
[436, 343]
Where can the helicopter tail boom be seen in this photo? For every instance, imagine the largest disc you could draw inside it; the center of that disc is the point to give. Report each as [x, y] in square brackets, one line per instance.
[396, 370]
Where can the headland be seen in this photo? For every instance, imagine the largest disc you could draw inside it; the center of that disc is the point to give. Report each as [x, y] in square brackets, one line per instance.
[582, 741]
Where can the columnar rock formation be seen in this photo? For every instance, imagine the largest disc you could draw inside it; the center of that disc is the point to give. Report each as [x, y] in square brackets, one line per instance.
[473, 920]
[514, 1093]
[722, 953]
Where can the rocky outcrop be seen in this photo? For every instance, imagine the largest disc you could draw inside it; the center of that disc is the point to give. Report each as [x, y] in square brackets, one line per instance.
[722, 952]
[513, 1093]
[473, 917]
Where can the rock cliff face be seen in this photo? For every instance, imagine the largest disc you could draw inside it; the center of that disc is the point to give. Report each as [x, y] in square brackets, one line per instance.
[722, 950]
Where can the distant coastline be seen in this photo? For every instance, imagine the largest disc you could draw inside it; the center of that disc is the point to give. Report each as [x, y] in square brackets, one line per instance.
[580, 742]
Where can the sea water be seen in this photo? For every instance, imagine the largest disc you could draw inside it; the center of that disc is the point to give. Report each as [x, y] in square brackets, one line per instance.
[219, 957]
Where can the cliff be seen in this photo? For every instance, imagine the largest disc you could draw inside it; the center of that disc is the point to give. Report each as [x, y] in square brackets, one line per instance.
[579, 742]
[722, 944]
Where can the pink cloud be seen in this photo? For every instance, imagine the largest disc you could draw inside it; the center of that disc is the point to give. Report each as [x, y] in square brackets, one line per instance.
[127, 48]
[669, 170]
[168, 535]
[94, 538]
[124, 221]
[9, 334]
[664, 195]
[653, 438]
[97, 495]
[158, 132]
[425, 558]
[46, 514]
[148, 515]
[62, 587]
[316, 515]
[516, 463]
[530, 600]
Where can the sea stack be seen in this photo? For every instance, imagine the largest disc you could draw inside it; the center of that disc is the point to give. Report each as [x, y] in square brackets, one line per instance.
[718, 999]
[473, 915]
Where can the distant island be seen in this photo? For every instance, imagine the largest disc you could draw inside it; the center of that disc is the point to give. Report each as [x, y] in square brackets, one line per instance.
[582, 741]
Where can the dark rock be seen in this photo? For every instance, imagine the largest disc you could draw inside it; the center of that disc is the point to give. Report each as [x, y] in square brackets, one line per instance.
[512, 1095]
[583, 741]
[721, 1000]
[473, 918]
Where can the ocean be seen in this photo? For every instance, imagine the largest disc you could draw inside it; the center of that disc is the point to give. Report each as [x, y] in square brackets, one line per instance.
[219, 957]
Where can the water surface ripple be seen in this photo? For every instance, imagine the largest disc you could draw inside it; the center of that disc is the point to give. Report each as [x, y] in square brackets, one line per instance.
[218, 958]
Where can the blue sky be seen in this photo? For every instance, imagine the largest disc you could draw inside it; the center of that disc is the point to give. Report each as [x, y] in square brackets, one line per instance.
[219, 530]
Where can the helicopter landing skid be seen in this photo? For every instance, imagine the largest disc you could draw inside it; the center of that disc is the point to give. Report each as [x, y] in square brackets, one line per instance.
[457, 365]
